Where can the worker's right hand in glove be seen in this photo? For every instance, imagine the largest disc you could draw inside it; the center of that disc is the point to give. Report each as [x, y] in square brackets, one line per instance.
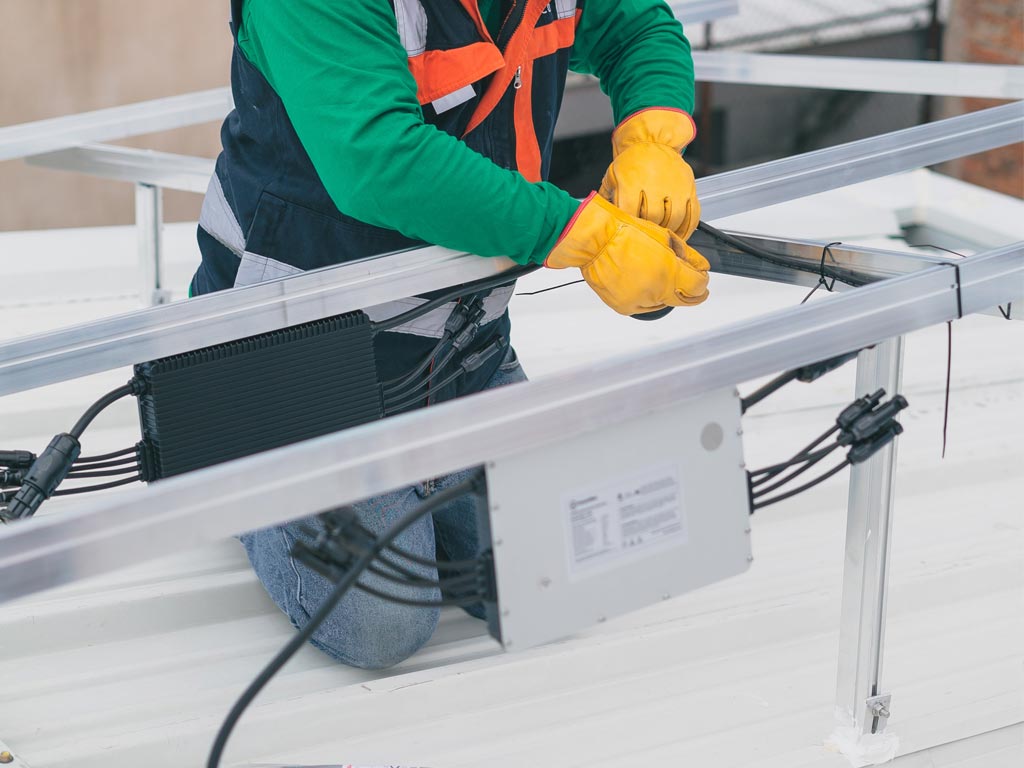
[635, 266]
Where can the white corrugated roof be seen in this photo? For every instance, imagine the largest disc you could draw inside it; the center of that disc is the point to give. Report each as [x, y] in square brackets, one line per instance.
[138, 668]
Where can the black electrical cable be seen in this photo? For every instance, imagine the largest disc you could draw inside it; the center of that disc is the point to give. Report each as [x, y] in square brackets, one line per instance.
[75, 474]
[104, 456]
[392, 408]
[782, 466]
[416, 386]
[802, 456]
[800, 489]
[795, 473]
[770, 388]
[100, 487]
[478, 285]
[409, 578]
[347, 582]
[780, 259]
[127, 461]
[401, 381]
[94, 410]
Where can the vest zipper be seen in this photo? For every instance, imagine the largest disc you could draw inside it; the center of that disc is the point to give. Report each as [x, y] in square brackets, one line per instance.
[517, 81]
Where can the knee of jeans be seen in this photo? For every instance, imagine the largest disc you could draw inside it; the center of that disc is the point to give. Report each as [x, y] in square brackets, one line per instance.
[377, 639]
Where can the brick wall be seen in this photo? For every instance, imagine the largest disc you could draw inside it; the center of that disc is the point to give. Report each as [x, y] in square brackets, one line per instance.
[986, 32]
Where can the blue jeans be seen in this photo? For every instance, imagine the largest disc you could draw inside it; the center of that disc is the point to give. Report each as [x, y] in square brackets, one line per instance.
[367, 631]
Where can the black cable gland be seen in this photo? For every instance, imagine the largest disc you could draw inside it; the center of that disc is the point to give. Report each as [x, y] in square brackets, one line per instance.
[45, 474]
[17, 459]
[865, 450]
[856, 410]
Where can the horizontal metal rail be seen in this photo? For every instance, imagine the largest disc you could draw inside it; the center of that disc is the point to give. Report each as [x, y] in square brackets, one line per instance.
[139, 166]
[857, 161]
[304, 478]
[126, 339]
[114, 123]
[840, 73]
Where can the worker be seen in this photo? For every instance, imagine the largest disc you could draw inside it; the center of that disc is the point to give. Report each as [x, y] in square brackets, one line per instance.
[362, 127]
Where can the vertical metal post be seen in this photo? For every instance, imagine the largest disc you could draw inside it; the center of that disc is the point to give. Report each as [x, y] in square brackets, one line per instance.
[861, 704]
[149, 223]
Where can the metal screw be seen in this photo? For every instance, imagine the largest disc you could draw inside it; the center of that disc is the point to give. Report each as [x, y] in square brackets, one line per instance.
[666, 596]
[545, 582]
[746, 530]
[505, 612]
[498, 542]
[750, 558]
[880, 709]
[602, 619]
[739, 430]
[6, 757]
[743, 465]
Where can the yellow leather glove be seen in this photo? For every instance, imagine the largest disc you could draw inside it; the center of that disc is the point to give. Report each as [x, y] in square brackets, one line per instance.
[648, 176]
[633, 265]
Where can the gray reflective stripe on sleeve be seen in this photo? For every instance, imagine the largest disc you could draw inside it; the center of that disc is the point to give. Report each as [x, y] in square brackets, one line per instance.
[258, 269]
[564, 9]
[217, 218]
[453, 99]
[412, 26]
[432, 323]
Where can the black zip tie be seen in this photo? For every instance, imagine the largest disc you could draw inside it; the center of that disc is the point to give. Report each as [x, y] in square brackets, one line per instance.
[1005, 313]
[822, 277]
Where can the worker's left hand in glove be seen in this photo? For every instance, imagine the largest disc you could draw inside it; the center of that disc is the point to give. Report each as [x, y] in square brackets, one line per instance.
[648, 177]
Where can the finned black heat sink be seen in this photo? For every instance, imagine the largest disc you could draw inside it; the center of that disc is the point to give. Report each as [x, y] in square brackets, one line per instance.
[235, 399]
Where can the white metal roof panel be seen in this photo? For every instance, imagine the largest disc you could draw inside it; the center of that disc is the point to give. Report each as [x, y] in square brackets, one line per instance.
[139, 667]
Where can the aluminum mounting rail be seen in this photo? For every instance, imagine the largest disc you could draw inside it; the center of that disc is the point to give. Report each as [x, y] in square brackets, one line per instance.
[114, 123]
[139, 166]
[304, 478]
[840, 73]
[169, 329]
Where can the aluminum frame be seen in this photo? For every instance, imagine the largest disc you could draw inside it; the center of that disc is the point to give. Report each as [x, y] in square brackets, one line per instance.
[146, 334]
[179, 512]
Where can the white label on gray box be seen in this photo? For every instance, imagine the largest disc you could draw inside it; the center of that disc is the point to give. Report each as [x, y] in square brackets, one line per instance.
[627, 517]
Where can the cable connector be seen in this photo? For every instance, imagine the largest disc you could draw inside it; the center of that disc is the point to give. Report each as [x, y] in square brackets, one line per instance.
[11, 478]
[45, 474]
[864, 450]
[478, 358]
[17, 459]
[872, 423]
[851, 413]
[324, 553]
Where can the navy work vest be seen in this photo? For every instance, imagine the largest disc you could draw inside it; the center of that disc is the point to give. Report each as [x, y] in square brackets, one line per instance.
[267, 215]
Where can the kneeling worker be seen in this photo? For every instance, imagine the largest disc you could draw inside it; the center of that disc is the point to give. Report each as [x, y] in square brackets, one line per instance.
[366, 126]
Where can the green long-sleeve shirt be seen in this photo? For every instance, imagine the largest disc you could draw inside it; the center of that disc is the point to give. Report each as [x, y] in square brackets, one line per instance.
[343, 76]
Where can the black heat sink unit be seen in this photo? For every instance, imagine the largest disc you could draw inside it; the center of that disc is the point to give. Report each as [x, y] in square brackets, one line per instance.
[242, 397]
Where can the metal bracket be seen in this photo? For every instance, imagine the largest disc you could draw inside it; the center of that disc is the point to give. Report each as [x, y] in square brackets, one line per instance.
[877, 712]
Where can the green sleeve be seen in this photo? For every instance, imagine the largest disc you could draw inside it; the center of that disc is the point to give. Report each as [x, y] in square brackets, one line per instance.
[343, 76]
[638, 51]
